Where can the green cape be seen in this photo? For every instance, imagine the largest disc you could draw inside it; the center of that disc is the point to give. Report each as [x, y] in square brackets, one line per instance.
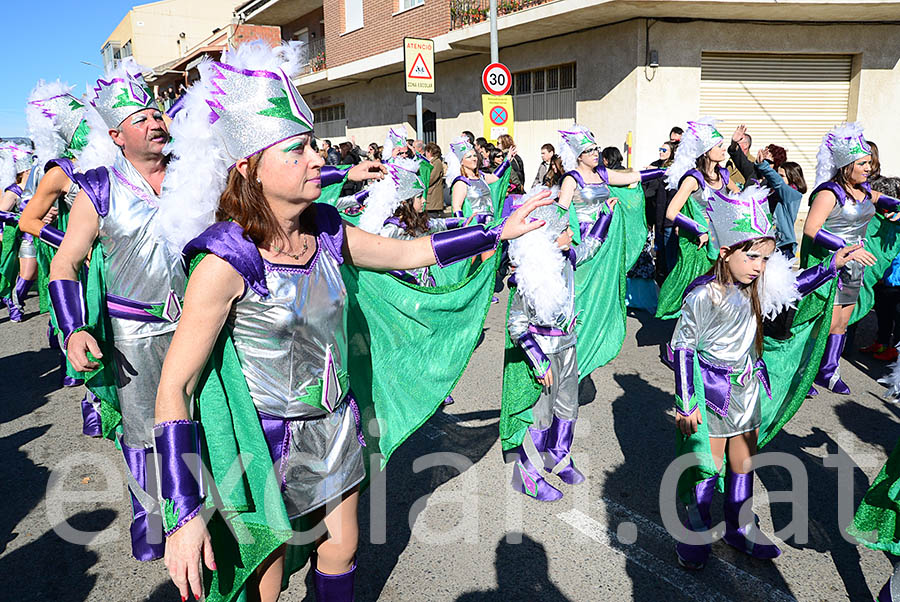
[393, 327]
[875, 524]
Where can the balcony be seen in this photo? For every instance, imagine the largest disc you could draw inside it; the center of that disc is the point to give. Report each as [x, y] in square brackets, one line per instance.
[469, 12]
[315, 56]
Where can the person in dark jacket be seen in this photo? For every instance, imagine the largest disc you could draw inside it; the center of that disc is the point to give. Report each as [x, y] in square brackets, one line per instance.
[788, 187]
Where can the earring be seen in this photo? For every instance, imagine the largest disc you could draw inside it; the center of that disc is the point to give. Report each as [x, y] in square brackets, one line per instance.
[258, 181]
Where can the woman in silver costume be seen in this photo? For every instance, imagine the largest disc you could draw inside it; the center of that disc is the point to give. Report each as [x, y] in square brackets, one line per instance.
[469, 192]
[719, 336]
[271, 278]
[13, 201]
[586, 183]
[843, 204]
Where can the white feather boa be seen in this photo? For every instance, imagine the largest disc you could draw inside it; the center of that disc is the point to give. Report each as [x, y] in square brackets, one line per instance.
[779, 286]
[100, 149]
[891, 380]
[825, 166]
[7, 170]
[689, 149]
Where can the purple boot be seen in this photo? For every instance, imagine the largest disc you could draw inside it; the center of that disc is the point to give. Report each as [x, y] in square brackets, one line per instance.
[15, 313]
[885, 594]
[559, 448]
[16, 304]
[829, 373]
[334, 588]
[90, 416]
[747, 537]
[527, 477]
[690, 556]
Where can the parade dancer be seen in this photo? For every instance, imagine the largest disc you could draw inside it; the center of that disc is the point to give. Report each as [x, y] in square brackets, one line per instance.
[600, 283]
[843, 205]
[471, 191]
[541, 322]
[696, 175]
[18, 261]
[721, 379]
[268, 277]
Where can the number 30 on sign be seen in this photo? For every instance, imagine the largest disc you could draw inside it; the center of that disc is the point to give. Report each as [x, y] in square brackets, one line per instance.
[496, 79]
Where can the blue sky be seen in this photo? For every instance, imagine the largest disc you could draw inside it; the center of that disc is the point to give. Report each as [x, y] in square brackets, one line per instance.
[46, 40]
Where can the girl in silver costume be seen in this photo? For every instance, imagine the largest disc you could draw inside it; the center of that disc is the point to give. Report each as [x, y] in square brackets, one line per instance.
[843, 204]
[718, 360]
[271, 278]
[12, 202]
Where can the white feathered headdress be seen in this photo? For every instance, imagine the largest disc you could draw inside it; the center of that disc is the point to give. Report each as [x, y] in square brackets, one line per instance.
[7, 170]
[401, 183]
[700, 137]
[236, 109]
[459, 148]
[54, 118]
[840, 147]
[574, 141]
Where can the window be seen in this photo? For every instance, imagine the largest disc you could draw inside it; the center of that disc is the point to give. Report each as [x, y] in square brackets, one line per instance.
[547, 93]
[407, 4]
[330, 122]
[112, 54]
[353, 15]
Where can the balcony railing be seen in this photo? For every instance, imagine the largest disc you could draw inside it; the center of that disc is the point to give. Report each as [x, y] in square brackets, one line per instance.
[469, 12]
[316, 56]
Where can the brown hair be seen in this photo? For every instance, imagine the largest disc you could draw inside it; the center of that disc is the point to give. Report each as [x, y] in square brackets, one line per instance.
[723, 277]
[876, 161]
[244, 202]
[794, 174]
[415, 223]
[505, 141]
[702, 164]
[554, 176]
[433, 149]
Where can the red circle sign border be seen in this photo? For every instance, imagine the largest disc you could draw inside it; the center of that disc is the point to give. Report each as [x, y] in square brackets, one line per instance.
[499, 91]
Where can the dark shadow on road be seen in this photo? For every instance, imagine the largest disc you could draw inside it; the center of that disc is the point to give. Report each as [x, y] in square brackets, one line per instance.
[645, 430]
[167, 592]
[444, 432]
[652, 331]
[870, 425]
[522, 574]
[587, 391]
[825, 524]
[40, 368]
[19, 472]
[51, 568]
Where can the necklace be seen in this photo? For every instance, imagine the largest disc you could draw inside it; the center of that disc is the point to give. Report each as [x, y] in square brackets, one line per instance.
[294, 256]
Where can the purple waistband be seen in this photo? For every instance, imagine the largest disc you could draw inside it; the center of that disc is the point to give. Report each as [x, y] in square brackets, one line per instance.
[546, 331]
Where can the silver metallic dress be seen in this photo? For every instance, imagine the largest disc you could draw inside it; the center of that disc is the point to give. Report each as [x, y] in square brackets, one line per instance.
[292, 347]
[478, 195]
[139, 268]
[850, 221]
[719, 326]
[588, 200]
[26, 247]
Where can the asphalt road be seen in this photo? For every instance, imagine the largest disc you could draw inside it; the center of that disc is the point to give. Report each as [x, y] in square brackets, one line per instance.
[455, 531]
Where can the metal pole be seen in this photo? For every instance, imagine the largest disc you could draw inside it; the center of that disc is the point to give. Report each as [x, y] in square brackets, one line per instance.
[420, 129]
[495, 49]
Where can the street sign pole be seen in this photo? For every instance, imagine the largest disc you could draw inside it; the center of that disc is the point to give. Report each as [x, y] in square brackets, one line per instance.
[420, 129]
[495, 50]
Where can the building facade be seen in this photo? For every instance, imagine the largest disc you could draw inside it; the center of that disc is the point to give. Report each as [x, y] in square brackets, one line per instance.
[160, 32]
[789, 71]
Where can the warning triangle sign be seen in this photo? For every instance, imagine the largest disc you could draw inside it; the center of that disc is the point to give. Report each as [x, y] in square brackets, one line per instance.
[419, 69]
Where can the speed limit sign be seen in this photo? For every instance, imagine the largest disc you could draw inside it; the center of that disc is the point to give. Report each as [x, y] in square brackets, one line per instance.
[496, 79]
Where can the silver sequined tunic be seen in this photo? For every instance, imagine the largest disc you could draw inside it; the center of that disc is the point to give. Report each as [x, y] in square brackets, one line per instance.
[283, 342]
[140, 268]
[588, 200]
[26, 247]
[850, 221]
[720, 327]
[478, 195]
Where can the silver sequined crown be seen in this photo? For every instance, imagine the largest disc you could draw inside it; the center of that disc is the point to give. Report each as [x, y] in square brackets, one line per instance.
[578, 138]
[739, 218]
[121, 96]
[405, 176]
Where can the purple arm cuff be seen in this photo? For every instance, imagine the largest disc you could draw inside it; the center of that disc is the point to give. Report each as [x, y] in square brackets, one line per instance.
[455, 222]
[535, 356]
[600, 229]
[332, 175]
[10, 219]
[361, 196]
[684, 381]
[887, 203]
[180, 471]
[451, 246]
[830, 241]
[67, 300]
[652, 174]
[459, 214]
[501, 169]
[686, 224]
[52, 236]
[812, 278]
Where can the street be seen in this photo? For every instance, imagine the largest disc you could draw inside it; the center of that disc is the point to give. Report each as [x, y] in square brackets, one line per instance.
[472, 538]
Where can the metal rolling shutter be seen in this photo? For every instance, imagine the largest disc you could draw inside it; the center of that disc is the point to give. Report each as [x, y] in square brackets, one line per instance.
[788, 100]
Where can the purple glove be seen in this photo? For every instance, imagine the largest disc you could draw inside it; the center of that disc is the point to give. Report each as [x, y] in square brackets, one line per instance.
[652, 174]
[451, 246]
[179, 467]
[67, 301]
[535, 356]
[686, 224]
[52, 236]
[829, 241]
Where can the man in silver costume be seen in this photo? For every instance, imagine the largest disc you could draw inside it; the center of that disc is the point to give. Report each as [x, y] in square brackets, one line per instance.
[144, 280]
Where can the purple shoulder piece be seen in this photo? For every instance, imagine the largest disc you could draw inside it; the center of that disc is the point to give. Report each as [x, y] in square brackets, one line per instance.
[64, 164]
[463, 179]
[604, 175]
[577, 176]
[839, 193]
[705, 279]
[331, 230]
[95, 183]
[15, 189]
[330, 175]
[725, 175]
[394, 221]
[701, 181]
[226, 240]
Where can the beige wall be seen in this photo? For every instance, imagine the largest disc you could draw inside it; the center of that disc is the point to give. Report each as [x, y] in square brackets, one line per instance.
[616, 93]
[154, 28]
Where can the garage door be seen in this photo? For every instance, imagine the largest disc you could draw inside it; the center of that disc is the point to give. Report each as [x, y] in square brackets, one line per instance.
[788, 100]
